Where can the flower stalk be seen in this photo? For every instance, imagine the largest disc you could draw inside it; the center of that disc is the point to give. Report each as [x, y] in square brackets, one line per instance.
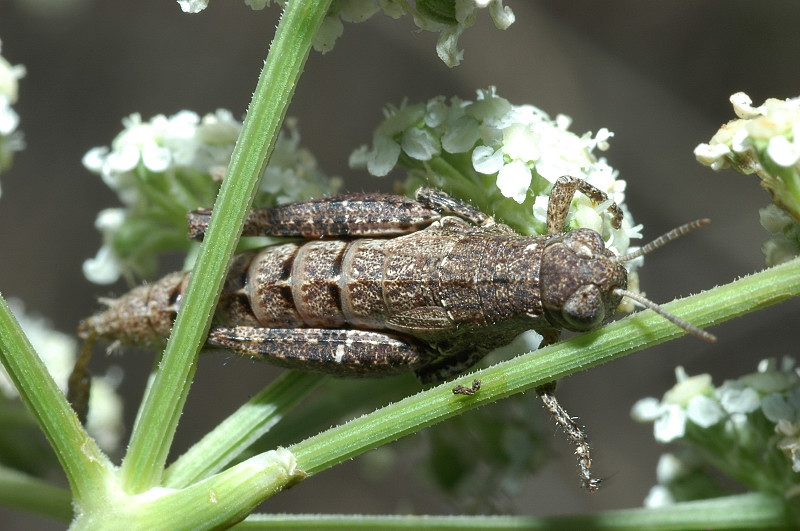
[156, 423]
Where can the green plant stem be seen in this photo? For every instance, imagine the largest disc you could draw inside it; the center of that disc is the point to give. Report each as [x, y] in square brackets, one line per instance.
[27, 493]
[85, 465]
[746, 511]
[239, 431]
[636, 332]
[161, 408]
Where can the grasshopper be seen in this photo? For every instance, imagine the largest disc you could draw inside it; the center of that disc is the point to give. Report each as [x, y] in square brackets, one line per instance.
[382, 284]
[385, 284]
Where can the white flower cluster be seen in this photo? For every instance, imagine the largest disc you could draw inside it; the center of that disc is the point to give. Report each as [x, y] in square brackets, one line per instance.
[504, 158]
[764, 140]
[10, 138]
[58, 351]
[450, 18]
[741, 424]
[165, 167]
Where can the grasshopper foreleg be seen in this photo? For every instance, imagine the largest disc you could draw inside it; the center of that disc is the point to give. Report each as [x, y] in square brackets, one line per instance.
[561, 196]
[340, 352]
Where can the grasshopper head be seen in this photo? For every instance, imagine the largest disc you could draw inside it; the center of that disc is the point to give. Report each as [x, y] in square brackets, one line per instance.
[580, 280]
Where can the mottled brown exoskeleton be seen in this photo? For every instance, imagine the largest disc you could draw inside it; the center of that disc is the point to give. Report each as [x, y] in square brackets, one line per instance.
[383, 284]
[386, 284]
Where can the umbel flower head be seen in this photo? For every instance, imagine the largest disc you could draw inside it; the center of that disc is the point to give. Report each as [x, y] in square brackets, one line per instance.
[10, 138]
[450, 18]
[765, 140]
[163, 168]
[748, 428]
[504, 158]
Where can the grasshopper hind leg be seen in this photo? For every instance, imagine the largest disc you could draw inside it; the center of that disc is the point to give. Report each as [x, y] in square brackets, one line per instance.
[339, 352]
[80, 380]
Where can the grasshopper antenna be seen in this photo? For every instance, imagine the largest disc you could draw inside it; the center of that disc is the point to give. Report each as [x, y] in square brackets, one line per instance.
[650, 247]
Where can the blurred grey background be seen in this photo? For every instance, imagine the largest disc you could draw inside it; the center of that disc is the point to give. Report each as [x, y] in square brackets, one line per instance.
[657, 74]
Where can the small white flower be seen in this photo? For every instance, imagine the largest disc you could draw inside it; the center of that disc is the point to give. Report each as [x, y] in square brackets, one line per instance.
[647, 409]
[105, 267]
[420, 144]
[164, 167]
[687, 387]
[384, 155]
[330, 30]
[513, 180]
[671, 424]
[519, 145]
[777, 408]
[670, 468]
[737, 400]
[10, 138]
[783, 152]
[487, 160]
[743, 106]
[659, 496]
[463, 132]
[704, 411]
[192, 6]
[764, 140]
[714, 155]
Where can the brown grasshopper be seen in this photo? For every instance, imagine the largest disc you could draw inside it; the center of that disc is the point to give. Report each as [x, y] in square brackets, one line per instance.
[383, 284]
[386, 284]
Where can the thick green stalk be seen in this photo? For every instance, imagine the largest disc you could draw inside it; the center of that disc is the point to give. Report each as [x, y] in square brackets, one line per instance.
[27, 493]
[238, 432]
[745, 511]
[85, 465]
[161, 408]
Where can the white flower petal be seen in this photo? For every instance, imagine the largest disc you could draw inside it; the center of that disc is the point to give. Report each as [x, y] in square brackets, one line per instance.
[461, 136]
[647, 410]
[669, 469]
[502, 15]
[782, 152]
[514, 179]
[704, 411]
[95, 158]
[419, 144]
[122, 160]
[659, 496]
[738, 400]
[687, 388]
[486, 160]
[776, 408]
[670, 425]
[103, 268]
[743, 106]
[709, 154]
[192, 6]
[384, 155]
[521, 142]
[156, 158]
